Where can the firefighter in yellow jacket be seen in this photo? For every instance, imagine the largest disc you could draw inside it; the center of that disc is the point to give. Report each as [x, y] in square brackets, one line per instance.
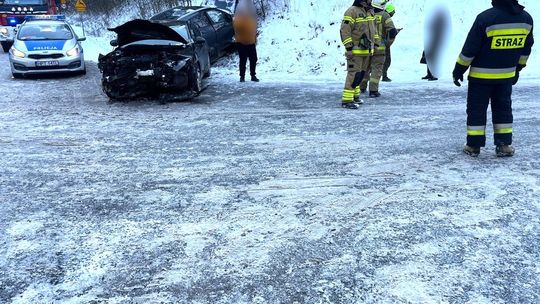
[386, 33]
[357, 34]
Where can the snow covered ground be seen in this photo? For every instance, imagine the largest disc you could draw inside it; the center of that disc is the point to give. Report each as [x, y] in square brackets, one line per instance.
[262, 193]
[268, 193]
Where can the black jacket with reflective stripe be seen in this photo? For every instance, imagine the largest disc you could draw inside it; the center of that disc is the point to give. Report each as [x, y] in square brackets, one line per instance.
[498, 42]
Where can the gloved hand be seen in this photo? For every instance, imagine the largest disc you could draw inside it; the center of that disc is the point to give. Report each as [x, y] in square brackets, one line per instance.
[516, 78]
[349, 55]
[457, 74]
[457, 80]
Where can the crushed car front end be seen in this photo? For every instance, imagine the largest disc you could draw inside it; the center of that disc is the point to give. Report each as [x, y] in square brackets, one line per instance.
[149, 60]
[148, 68]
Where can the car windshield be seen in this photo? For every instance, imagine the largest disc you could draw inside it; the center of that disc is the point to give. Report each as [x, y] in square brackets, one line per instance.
[172, 14]
[45, 32]
[25, 2]
[182, 30]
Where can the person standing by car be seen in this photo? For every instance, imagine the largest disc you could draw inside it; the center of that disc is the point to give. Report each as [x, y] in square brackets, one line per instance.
[245, 29]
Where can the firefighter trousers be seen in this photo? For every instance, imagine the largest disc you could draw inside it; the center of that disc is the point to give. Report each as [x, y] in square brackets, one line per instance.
[356, 68]
[374, 73]
[478, 99]
[387, 62]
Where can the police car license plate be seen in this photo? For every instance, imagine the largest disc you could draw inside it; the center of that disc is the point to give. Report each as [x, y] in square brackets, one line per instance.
[47, 63]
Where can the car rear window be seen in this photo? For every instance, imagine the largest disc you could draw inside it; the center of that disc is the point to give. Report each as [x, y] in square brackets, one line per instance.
[45, 32]
[172, 14]
[201, 20]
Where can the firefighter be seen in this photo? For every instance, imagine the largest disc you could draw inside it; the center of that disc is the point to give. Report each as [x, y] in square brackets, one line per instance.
[386, 33]
[391, 10]
[357, 34]
[496, 50]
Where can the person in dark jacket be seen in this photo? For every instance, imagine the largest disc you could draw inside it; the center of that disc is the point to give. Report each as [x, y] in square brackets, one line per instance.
[496, 50]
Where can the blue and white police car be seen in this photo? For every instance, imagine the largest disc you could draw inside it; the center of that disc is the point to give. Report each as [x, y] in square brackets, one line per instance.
[46, 44]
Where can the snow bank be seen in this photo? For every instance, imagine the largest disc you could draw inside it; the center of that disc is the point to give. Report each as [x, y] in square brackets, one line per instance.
[300, 39]
[303, 41]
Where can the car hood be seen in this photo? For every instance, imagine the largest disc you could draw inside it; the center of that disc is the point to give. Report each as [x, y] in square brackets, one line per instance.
[44, 46]
[139, 30]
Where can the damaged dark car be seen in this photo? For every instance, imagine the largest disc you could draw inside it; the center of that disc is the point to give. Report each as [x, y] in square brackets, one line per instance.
[155, 60]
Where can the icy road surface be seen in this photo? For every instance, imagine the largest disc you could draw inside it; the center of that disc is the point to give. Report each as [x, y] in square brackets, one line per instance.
[262, 193]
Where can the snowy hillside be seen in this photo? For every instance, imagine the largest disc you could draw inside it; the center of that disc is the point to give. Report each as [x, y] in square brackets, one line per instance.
[307, 37]
[300, 39]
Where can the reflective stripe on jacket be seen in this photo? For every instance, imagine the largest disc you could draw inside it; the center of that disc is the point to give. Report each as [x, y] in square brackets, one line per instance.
[384, 26]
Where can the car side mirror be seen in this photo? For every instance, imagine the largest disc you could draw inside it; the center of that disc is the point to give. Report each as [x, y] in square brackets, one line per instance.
[114, 43]
[81, 39]
[200, 40]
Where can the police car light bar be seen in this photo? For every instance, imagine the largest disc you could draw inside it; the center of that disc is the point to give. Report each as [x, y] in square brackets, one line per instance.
[45, 17]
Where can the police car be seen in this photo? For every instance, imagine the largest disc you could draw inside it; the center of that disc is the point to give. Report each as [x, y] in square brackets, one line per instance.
[46, 44]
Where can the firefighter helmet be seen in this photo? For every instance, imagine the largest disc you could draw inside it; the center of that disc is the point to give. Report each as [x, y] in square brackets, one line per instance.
[379, 4]
[390, 8]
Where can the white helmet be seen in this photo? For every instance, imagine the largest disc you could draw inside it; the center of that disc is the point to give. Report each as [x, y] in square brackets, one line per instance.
[379, 3]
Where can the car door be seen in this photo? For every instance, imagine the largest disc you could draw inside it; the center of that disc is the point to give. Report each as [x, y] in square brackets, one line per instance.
[201, 48]
[223, 25]
[207, 30]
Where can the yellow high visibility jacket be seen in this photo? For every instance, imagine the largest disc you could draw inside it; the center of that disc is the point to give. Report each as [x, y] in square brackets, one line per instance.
[358, 31]
[384, 26]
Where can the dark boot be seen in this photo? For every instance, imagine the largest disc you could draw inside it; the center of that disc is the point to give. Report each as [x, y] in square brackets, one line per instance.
[429, 76]
[386, 79]
[242, 79]
[350, 105]
[358, 101]
[374, 94]
[471, 151]
[254, 79]
[505, 151]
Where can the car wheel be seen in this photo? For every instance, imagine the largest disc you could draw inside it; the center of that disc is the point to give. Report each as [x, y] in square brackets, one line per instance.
[208, 73]
[17, 75]
[6, 46]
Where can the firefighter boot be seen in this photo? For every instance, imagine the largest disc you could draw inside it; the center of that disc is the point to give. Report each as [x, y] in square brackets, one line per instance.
[350, 105]
[505, 151]
[374, 94]
[471, 151]
[386, 79]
